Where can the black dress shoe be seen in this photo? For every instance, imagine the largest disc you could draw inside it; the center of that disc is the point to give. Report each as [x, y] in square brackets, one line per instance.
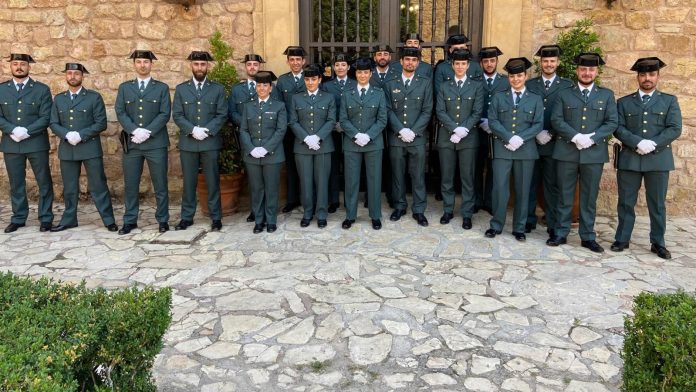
[556, 240]
[112, 227]
[163, 227]
[271, 228]
[347, 223]
[289, 207]
[321, 223]
[216, 225]
[333, 207]
[519, 236]
[258, 228]
[251, 217]
[376, 224]
[305, 222]
[396, 215]
[183, 224]
[551, 232]
[528, 227]
[446, 217]
[661, 251]
[491, 233]
[619, 246]
[12, 227]
[592, 245]
[420, 218]
[62, 227]
[127, 227]
[466, 223]
[45, 226]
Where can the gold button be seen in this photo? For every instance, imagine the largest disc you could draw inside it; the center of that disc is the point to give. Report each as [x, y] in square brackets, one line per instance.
[405, 114]
[311, 114]
[584, 109]
[513, 125]
[514, 118]
[584, 118]
[71, 110]
[71, 118]
[311, 121]
[141, 116]
[141, 100]
[645, 113]
[513, 132]
[19, 102]
[514, 111]
[457, 107]
[645, 122]
[141, 124]
[198, 103]
[140, 108]
[645, 131]
[20, 110]
[19, 118]
[583, 126]
[198, 118]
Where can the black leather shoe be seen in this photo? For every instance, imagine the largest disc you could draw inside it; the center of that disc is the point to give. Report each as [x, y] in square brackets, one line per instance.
[45, 226]
[619, 246]
[592, 245]
[491, 233]
[12, 227]
[556, 240]
[551, 232]
[347, 223]
[661, 251]
[216, 225]
[112, 227]
[466, 223]
[305, 222]
[183, 225]
[258, 228]
[62, 227]
[271, 228]
[251, 217]
[127, 227]
[289, 207]
[163, 227]
[333, 207]
[519, 236]
[376, 224]
[321, 223]
[528, 227]
[446, 218]
[420, 218]
[396, 215]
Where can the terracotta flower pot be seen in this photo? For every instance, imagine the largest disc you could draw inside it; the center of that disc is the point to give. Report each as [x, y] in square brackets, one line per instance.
[230, 189]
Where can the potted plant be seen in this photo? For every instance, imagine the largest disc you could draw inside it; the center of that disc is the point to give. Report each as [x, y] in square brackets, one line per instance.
[230, 162]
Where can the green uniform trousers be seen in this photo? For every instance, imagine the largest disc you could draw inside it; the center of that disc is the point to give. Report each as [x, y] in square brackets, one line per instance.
[208, 161]
[521, 171]
[416, 169]
[263, 182]
[16, 165]
[314, 170]
[373, 174]
[484, 172]
[467, 168]
[133, 163]
[567, 174]
[655, 194]
[291, 170]
[96, 184]
[544, 176]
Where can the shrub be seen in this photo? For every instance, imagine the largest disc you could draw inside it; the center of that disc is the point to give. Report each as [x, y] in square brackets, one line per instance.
[53, 336]
[660, 346]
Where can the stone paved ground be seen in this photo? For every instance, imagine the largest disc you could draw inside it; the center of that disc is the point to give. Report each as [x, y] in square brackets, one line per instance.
[404, 308]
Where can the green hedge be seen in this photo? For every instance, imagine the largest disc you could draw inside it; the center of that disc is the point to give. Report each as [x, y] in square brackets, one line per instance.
[54, 336]
[660, 346]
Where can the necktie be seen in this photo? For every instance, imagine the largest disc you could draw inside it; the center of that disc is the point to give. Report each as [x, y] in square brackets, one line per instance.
[297, 80]
[646, 98]
[142, 86]
[20, 86]
[362, 93]
[407, 83]
[252, 87]
[460, 84]
[261, 103]
[381, 75]
[585, 94]
[312, 96]
[342, 83]
[200, 87]
[72, 96]
[518, 96]
[547, 84]
[490, 82]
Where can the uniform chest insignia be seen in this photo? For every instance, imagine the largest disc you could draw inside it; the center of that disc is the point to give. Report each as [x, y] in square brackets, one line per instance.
[600, 102]
[396, 91]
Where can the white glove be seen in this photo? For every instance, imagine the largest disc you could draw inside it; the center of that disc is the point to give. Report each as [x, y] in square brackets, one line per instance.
[199, 133]
[256, 153]
[407, 135]
[73, 138]
[19, 134]
[261, 151]
[312, 141]
[516, 142]
[511, 147]
[140, 135]
[646, 146]
[543, 137]
[461, 132]
[583, 141]
[361, 139]
[484, 125]
[455, 139]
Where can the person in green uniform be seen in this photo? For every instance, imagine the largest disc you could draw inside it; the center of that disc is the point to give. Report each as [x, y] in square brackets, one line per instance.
[200, 111]
[409, 107]
[583, 118]
[312, 117]
[363, 116]
[459, 105]
[413, 40]
[547, 85]
[494, 83]
[444, 70]
[25, 112]
[77, 118]
[262, 128]
[515, 116]
[143, 108]
[289, 84]
[649, 122]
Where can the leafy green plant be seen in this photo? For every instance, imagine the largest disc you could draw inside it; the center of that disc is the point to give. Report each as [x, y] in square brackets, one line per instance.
[578, 39]
[660, 346]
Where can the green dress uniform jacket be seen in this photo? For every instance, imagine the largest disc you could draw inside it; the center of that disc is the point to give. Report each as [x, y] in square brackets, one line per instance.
[423, 69]
[378, 81]
[287, 87]
[240, 95]
[445, 72]
[29, 108]
[86, 115]
[536, 85]
[367, 115]
[659, 120]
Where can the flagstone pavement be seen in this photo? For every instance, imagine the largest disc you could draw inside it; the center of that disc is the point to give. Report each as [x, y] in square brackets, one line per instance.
[404, 308]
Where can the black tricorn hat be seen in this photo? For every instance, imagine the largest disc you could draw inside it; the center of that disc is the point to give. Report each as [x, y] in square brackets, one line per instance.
[457, 39]
[342, 58]
[588, 60]
[21, 57]
[412, 36]
[460, 54]
[295, 51]
[648, 64]
[363, 63]
[142, 54]
[253, 57]
[265, 77]
[311, 70]
[75, 67]
[488, 52]
[382, 48]
[410, 52]
[517, 65]
[549, 51]
[200, 55]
